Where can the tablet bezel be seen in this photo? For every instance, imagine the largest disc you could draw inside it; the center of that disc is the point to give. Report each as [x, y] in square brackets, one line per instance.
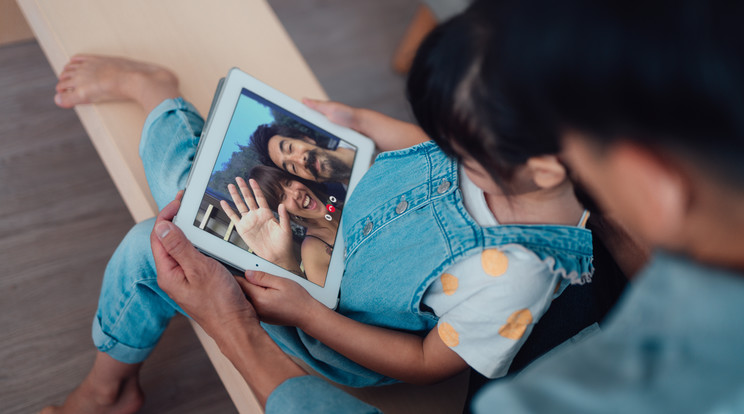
[209, 149]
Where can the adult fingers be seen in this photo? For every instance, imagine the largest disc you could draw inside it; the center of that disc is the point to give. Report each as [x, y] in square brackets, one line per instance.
[167, 267]
[247, 194]
[238, 200]
[284, 218]
[260, 199]
[170, 210]
[229, 211]
[169, 273]
[176, 244]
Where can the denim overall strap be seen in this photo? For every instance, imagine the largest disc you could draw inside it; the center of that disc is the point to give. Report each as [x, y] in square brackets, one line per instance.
[401, 223]
[564, 249]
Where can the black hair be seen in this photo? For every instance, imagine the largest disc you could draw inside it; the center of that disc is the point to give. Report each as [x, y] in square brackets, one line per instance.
[456, 97]
[260, 139]
[667, 74]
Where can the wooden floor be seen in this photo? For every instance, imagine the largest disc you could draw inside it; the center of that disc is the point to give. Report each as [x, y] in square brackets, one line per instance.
[61, 218]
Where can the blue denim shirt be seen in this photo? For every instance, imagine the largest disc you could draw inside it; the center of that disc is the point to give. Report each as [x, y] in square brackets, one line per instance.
[403, 225]
[674, 344]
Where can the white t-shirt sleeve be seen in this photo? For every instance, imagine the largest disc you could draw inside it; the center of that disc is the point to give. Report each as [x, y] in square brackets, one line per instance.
[488, 304]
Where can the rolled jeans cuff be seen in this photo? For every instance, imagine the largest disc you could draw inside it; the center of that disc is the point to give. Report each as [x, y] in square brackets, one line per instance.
[168, 105]
[115, 349]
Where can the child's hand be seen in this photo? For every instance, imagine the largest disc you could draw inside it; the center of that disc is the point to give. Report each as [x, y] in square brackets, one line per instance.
[336, 112]
[388, 133]
[277, 300]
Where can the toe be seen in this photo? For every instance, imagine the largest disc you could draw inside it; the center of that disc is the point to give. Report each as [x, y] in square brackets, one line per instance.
[66, 98]
[80, 58]
[64, 83]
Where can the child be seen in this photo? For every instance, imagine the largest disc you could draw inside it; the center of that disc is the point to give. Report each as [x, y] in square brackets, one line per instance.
[447, 265]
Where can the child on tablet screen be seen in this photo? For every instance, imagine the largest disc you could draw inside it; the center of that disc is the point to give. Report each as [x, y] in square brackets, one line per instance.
[451, 257]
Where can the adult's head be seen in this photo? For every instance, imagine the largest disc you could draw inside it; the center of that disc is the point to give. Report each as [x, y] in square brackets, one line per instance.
[456, 97]
[301, 198]
[298, 154]
[648, 97]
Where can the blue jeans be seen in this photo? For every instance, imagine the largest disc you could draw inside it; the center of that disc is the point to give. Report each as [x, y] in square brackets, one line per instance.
[132, 310]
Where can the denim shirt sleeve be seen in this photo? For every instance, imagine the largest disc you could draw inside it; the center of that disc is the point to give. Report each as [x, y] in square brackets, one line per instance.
[309, 394]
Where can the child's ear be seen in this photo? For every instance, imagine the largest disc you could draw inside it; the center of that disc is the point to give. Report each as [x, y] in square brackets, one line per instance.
[546, 171]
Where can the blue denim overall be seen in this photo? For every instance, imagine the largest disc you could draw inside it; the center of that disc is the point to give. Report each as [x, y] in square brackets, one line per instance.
[403, 225]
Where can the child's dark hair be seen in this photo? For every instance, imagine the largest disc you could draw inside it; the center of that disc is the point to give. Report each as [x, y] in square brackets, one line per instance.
[666, 74]
[457, 99]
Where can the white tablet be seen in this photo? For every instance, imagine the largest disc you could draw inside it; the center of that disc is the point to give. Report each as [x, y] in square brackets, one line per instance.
[305, 168]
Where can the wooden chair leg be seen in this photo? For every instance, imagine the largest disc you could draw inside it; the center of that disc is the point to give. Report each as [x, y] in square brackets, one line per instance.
[422, 23]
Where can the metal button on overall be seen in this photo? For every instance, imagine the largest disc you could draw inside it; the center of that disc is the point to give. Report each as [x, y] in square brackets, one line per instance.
[401, 207]
[368, 228]
[443, 187]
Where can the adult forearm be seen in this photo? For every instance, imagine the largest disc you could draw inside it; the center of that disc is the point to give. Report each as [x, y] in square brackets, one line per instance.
[262, 364]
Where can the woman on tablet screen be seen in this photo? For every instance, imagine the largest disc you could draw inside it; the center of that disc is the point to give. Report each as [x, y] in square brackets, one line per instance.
[293, 199]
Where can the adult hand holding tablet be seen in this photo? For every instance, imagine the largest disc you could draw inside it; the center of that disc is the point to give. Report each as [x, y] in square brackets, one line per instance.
[268, 186]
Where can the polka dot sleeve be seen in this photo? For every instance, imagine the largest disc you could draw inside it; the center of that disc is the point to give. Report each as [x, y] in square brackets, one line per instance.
[488, 303]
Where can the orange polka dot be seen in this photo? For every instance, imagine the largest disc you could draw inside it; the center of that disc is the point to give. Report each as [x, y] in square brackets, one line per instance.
[449, 283]
[516, 324]
[494, 262]
[449, 335]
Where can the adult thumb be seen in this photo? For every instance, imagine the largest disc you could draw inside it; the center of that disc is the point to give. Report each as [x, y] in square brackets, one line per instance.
[175, 242]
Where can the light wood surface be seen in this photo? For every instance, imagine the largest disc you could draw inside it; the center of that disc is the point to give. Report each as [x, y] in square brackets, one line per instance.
[200, 44]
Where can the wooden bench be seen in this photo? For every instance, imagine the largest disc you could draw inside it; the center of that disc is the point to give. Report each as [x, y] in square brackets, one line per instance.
[200, 41]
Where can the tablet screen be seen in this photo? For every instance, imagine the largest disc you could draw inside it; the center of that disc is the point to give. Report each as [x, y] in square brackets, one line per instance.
[296, 165]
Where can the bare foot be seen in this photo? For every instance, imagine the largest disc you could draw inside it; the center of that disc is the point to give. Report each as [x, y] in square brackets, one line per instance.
[95, 79]
[111, 387]
[89, 399]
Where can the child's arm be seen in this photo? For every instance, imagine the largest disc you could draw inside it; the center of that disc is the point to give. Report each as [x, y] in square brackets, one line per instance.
[399, 355]
[388, 134]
